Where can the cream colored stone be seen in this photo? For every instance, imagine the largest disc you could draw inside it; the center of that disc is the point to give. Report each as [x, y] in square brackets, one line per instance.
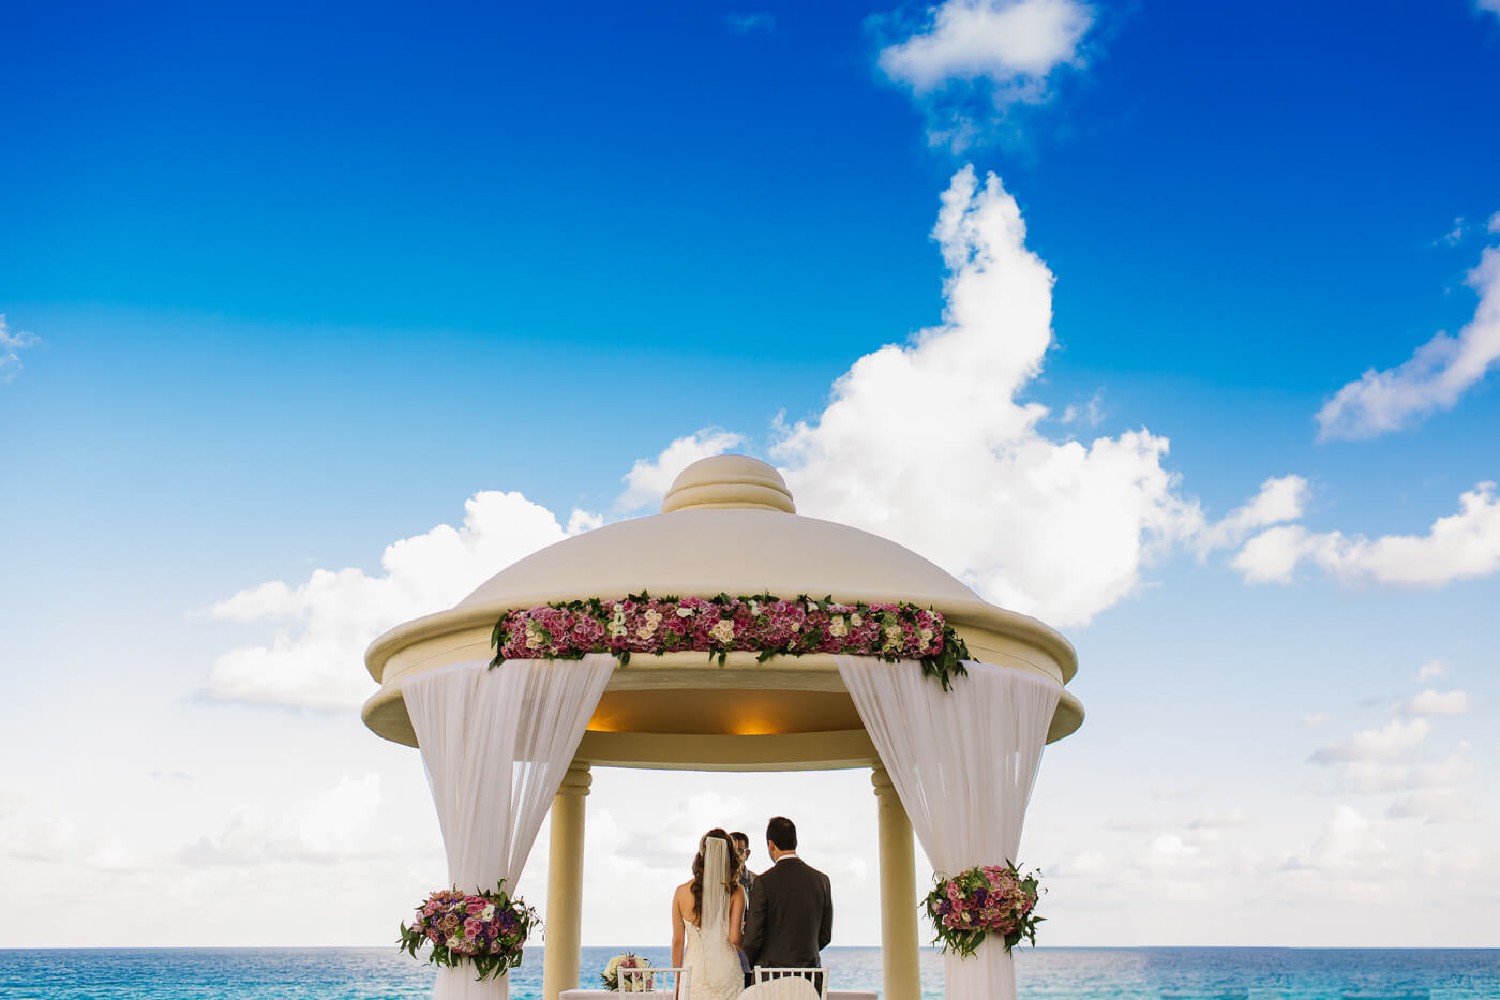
[899, 947]
[729, 527]
[561, 958]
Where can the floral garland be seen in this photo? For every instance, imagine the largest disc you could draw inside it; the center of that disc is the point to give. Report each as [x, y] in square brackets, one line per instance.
[611, 977]
[485, 929]
[763, 624]
[990, 899]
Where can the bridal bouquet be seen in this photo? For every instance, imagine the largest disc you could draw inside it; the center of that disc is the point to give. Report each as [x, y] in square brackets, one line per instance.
[611, 977]
[990, 899]
[484, 929]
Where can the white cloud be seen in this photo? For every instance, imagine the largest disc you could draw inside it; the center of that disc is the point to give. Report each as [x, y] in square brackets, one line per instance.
[744, 24]
[1169, 850]
[1387, 743]
[1494, 223]
[1002, 52]
[1347, 843]
[37, 837]
[1060, 529]
[1311, 719]
[1434, 805]
[11, 346]
[1460, 546]
[39, 831]
[324, 624]
[1014, 43]
[1432, 669]
[649, 479]
[1373, 776]
[1454, 235]
[1086, 862]
[1438, 373]
[1280, 499]
[1493, 6]
[1432, 702]
[1090, 414]
[331, 827]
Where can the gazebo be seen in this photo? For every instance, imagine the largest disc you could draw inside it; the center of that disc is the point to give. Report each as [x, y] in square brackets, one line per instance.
[503, 745]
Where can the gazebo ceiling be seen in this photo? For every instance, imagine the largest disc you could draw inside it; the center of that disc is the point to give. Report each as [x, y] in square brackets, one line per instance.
[728, 526]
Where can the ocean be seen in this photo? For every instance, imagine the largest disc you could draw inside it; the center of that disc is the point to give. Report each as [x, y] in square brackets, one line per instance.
[1042, 973]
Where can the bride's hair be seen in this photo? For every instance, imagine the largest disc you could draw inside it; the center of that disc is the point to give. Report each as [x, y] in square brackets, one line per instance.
[733, 867]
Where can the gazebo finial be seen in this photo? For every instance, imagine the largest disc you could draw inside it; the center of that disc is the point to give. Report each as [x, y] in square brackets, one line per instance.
[729, 481]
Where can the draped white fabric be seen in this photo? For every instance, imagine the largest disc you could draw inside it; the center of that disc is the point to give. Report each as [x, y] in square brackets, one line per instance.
[963, 762]
[496, 744]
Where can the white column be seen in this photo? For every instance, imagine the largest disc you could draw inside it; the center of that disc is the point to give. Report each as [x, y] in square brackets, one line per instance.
[898, 895]
[564, 916]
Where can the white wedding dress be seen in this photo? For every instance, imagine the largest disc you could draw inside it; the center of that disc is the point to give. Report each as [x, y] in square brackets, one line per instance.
[713, 965]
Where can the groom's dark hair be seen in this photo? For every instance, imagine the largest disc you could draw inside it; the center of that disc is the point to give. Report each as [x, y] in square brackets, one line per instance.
[783, 833]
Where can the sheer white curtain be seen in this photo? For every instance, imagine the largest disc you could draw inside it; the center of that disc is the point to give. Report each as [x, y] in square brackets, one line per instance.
[496, 744]
[963, 762]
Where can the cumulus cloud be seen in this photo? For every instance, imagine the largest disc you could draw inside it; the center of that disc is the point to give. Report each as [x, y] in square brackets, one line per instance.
[1389, 759]
[1060, 529]
[1376, 776]
[1280, 499]
[12, 343]
[323, 624]
[976, 59]
[329, 828]
[667, 838]
[1461, 546]
[1347, 842]
[1432, 702]
[1445, 804]
[1493, 6]
[649, 479]
[1386, 743]
[1436, 375]
[38, 831]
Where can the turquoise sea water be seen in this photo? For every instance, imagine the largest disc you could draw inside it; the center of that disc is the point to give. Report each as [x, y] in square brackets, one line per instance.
[1042, 973]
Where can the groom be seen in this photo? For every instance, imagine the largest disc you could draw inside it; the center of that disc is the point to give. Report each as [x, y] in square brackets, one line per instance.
[791, 906]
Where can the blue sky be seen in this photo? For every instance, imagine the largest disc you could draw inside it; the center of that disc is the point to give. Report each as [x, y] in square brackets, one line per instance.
[282, 286]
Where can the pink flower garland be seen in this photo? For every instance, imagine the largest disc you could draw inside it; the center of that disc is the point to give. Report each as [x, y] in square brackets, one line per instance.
[765, 625]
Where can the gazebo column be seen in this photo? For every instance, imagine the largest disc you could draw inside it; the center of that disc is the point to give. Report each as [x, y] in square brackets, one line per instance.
[564, 918]
[899, 949]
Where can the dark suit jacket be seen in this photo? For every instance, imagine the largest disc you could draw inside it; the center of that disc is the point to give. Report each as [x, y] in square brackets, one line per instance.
[791, 916]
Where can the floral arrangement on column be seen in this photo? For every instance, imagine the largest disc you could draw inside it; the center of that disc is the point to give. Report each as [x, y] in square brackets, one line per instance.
[484, 929]
[763, 624]
[990, 899]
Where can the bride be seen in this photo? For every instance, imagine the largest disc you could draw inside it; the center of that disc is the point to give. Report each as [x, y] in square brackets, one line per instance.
[707, 920]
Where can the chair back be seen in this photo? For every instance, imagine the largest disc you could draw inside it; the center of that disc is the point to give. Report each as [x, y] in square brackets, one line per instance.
[653, 980]
[790, 984]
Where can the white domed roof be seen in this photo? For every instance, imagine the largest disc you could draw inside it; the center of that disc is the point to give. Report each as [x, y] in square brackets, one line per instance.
[728, 526]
